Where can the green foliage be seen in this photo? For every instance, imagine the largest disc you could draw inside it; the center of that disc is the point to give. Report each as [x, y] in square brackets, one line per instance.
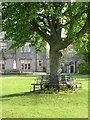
[81, 45]
[17, 17]
[31, 22]
[43, 22]
[83, 68]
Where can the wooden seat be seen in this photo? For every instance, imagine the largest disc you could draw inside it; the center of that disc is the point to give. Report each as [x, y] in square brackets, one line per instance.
[44, 82]
[69, 81]
[41, 82]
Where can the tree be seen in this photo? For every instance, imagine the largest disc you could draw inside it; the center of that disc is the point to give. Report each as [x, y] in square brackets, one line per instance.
[83, 47]
[40, 22]
[0, 17]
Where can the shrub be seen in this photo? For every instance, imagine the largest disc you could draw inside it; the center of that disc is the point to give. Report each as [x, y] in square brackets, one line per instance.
[83, 68]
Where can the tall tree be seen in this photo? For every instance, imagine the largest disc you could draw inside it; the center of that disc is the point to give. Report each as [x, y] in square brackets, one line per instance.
[83, 44]
[40, 22]
[88, 46]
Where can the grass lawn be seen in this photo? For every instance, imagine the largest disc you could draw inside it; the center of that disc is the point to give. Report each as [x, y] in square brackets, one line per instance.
[19, 102]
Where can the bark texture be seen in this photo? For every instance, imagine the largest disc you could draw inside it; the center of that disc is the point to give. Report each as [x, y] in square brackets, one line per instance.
[54, 65]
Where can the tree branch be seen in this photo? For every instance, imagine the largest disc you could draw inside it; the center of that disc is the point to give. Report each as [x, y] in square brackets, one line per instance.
[73, 18]
[62, 43]
[83, 30]
[67, 10]
[65, 43]
[42, 20]
[42, 33]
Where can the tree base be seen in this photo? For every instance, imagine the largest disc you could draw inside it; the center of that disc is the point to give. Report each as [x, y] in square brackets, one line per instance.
[54, 80]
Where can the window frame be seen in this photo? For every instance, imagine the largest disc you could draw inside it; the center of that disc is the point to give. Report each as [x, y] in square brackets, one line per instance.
[40, 63]
[3, 66]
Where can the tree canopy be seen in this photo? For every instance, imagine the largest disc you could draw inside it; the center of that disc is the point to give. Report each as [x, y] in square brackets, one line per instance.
[30, 21]
[43, 22]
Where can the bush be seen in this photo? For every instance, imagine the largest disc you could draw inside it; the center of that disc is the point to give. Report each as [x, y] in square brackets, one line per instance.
[83, 68]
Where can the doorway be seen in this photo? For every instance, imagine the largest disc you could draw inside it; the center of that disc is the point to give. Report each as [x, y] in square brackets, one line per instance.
[71, 69]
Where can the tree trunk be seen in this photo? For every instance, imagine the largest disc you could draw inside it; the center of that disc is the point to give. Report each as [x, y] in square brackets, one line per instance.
[54, 65]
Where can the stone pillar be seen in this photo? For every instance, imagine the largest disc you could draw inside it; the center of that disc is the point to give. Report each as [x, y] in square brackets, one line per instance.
[17, 59]
[69, 69]
[47, 58]
[75, 66]
[48, 66]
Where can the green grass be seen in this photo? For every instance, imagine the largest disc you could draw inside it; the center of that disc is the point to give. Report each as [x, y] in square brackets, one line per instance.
[19, 102]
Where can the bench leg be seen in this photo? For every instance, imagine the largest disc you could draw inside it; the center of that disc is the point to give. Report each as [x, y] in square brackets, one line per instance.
[58, 87]
[46, 87]
[41, 87]
[34, 88]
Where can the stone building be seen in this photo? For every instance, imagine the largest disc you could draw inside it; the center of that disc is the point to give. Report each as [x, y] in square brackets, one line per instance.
[70, 60]
[21, 60]
[25, 59]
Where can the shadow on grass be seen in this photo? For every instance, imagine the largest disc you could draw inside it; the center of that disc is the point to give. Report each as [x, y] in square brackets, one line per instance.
[23, 94]
[4, 99]
[51, 91]
[17, 94]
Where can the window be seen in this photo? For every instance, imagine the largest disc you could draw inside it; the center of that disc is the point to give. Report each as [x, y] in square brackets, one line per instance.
[40, 63]
[5, 50]
[25, 66]
[3, 47]
[28, 66]
[3, 66]
[72, 68]
[2, 50]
